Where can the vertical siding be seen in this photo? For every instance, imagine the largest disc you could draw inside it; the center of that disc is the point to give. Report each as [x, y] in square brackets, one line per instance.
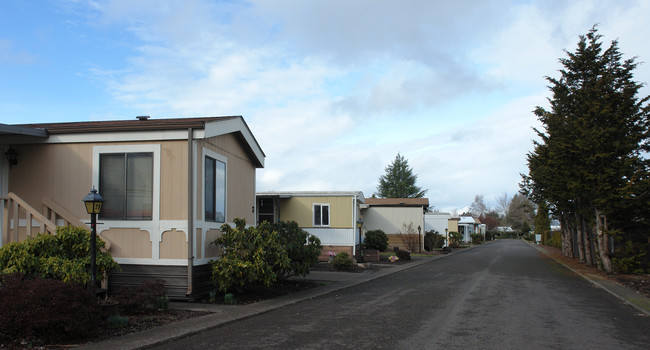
[128, 243]
[300, 210]
[173, 180]
[391, 219]
[61, 172]
[240, 177]
[211, 250]
[173, 245]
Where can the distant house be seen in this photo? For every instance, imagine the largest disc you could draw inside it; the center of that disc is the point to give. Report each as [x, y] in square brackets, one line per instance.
[168, 186]
[332, 216]
[438, 222]
[468, 225]
[399, 218]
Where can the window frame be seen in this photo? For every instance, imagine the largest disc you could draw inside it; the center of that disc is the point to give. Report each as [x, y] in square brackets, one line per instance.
[320, 214]
[149, 148]
[207, 153]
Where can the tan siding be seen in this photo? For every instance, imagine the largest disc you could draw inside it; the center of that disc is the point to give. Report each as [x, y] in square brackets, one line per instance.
[402, 241]
[173, 245]
[173, 181]
[300, 209]
[240, 177]
[61, 172]
[211, 250]
[128, 243]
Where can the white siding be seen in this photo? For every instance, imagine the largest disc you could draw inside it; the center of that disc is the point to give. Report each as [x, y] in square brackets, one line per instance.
[436, 222]
[334, 236]
[391, 219]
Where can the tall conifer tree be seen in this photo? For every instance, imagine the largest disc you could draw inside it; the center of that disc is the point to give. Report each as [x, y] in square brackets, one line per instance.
[589, 161]
[399, 181]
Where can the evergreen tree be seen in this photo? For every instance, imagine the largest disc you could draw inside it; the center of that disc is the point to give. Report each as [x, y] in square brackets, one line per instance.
[399, 181]
[588, 163]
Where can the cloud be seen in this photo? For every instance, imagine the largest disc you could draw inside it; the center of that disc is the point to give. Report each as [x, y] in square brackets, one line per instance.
[333, 90]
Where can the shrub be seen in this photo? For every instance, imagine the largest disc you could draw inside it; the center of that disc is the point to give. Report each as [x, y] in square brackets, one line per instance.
[433, 240]
[629, 258]
[409, 236]
[302, 249]
[403, 254]
[454, 239]
[64, 256]
[477, 238]
[46, 311]
[148, 295]
[250, 257]
[343, 261]
[117, 321]
[376, 239]
[556, 240]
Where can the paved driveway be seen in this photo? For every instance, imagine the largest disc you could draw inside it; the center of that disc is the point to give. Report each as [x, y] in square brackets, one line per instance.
[503, 295]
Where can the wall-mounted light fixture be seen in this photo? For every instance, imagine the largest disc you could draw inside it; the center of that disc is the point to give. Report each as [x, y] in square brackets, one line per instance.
[12, 157]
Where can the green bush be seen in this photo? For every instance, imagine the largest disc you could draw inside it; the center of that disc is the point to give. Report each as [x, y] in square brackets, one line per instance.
[477, 238]
[376, 239]
[45, 311]
[629, 258]
[148, 295]
[302, 249]
[403, 254]
[454, 239]
[250, 257]
[556, 240]
[433, 240]
[64, 256]
[343, 261]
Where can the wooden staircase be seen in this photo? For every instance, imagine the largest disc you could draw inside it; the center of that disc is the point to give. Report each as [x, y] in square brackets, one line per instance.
[20, 220]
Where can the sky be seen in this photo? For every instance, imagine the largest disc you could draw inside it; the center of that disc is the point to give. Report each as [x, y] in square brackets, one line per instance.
[332, 90]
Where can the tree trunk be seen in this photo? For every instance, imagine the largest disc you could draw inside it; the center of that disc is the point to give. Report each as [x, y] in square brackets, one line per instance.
[581, 241]
[603, 243]
[567, 237]
[586, 234]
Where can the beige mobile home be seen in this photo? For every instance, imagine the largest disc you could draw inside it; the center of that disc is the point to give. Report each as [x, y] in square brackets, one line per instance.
[334, 217]
[168, 186]
[395, 216]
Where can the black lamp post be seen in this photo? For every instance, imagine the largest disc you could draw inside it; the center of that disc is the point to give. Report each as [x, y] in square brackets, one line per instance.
[447, 234]
[359, 225]
[420, 238]
[93, 202]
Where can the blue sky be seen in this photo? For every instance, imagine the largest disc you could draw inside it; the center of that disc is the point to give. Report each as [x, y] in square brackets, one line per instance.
[332, 90]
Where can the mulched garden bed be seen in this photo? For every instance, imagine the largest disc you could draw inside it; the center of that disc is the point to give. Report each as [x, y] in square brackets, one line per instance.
[261, 293]
[640, 283]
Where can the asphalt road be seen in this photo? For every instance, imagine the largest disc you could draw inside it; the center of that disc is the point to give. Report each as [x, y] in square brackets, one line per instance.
[502, 295]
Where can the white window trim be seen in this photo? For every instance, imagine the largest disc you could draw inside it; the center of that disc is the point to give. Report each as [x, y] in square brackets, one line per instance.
[209, 153]
[329, 214]
[151, 148]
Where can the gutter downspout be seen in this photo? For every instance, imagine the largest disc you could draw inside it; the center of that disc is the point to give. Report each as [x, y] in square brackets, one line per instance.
[190, 210]
[354, 226]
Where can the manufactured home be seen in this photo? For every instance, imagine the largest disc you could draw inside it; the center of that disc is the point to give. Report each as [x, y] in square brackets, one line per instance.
[168, 186]
[402, 219]
[332, 216]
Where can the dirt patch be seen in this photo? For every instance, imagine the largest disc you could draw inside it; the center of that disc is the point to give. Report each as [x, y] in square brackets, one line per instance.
[639, 283]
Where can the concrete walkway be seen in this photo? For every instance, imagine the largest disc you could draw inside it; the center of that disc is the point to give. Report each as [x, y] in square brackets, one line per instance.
[223, 314]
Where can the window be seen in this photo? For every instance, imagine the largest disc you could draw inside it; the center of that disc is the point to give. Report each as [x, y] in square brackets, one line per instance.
[215, 190]
[126, 184]
[321, 214]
